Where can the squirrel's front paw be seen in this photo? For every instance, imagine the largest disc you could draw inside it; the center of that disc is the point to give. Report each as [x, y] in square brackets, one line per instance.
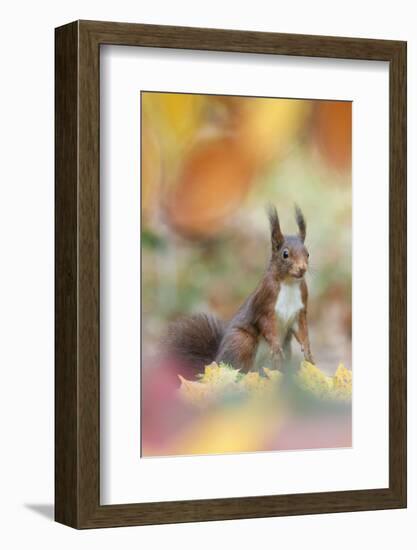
[278, 356]
[278, 352]
[309, 357]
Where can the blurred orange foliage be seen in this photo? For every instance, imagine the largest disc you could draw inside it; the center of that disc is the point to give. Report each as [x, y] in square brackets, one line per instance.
[207, 151]
[211, 184]
[333, 129]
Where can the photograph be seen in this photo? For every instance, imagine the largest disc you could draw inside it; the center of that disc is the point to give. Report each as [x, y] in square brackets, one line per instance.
[246, 274]
[209, 259]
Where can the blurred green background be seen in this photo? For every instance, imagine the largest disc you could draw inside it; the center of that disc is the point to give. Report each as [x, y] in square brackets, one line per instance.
[209, 165]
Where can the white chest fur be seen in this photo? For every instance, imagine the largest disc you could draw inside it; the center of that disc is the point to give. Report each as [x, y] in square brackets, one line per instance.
[288, 303]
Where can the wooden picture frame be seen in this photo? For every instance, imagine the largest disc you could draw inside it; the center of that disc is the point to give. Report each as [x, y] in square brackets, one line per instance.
[77, 370]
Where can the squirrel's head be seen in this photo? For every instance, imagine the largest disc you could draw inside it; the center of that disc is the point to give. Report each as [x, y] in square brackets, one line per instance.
[289, 254]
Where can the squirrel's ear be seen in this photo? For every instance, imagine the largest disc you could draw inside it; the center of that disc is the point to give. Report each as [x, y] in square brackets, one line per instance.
[277, 237]
[302, 228]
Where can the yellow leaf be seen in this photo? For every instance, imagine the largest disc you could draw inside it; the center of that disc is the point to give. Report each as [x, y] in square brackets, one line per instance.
[253, 382]
[342, 382]
[274, 375]
[194, 393]
[219, 375]
[219, 381]
[311, 379]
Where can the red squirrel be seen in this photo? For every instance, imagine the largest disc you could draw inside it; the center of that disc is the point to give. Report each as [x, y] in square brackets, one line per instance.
[276, 311]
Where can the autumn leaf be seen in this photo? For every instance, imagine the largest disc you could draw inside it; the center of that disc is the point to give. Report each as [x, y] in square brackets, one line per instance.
[194, 393]
[342, 383]
[219, 375]
[312, 380]
[221, 380]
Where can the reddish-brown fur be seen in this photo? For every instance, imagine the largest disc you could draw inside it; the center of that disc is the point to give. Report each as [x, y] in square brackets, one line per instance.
[238, 341]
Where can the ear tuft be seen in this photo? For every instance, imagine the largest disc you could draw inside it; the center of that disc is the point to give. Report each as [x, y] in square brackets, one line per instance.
[302, 228]
[277, 237]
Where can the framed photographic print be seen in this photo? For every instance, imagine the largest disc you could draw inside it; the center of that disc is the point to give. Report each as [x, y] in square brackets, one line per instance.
[230, 274]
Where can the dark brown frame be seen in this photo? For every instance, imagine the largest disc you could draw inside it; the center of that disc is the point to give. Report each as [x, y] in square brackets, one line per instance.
[77, 373]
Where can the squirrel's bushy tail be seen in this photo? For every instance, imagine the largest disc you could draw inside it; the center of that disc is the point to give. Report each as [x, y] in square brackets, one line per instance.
[195, 339]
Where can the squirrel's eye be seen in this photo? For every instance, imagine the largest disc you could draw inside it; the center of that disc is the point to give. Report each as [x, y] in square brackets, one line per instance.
[285, 253]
